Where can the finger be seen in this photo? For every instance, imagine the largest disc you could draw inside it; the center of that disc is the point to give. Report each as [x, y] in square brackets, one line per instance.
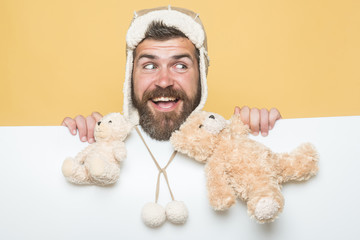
[81, 125]
[255, 120]
[245, 115]
[90, 126]
[237, 110]
[70, 124]
[97, 116]
[264, 122]
[274, 115]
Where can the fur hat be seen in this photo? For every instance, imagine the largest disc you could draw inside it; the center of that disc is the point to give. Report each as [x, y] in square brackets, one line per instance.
[184, 20]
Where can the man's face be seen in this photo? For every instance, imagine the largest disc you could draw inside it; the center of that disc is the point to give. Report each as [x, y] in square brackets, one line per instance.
[165, 84]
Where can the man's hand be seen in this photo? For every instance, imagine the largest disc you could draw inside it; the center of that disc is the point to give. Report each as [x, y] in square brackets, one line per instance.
[85, 126]
[258, 120]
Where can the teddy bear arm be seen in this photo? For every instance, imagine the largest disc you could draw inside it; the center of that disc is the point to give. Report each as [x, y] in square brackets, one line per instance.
[119, 150]
[221, 193]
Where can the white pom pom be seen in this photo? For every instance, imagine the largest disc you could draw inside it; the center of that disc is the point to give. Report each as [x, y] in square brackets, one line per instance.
[176, 212]
[153, 215]
[266, 209]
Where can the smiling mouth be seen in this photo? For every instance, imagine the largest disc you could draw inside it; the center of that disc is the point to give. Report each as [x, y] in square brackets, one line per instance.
[165, 103]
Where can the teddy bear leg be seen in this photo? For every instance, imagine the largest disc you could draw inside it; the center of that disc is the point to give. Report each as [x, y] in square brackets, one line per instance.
[103, 172]
[300, 164]
[221, 194]
[75, 172]
[265, 203]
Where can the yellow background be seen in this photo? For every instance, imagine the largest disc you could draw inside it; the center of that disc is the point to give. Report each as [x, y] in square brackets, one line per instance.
[66, 57]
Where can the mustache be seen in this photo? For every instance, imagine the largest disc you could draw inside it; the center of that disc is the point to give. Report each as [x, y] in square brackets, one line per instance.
[164, 92]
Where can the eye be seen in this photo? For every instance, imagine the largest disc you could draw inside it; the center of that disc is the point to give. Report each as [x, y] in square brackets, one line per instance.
[180, 67]
[150, 66]
[110, 121]
[201, 126]
[212, 116]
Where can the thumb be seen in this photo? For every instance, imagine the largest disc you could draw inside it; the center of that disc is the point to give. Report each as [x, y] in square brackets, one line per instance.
[237, 110]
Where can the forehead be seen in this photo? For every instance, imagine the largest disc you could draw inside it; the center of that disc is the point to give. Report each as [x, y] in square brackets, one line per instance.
[166, 48]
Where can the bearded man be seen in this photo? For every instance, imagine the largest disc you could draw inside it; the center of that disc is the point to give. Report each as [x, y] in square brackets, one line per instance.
[165, 82]
[165, 79]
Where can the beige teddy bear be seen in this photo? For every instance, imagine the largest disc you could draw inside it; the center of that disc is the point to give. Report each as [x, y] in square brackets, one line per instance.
[99, 163]
[238, 167]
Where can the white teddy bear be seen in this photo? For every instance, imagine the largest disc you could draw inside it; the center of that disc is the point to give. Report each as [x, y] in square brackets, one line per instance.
[99, 163]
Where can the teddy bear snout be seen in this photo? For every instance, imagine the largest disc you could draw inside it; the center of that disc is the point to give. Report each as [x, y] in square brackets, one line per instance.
[214, 123]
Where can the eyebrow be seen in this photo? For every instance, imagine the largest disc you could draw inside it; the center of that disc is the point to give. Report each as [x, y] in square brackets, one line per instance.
[147, 56]
[182, 56]
[176, 57]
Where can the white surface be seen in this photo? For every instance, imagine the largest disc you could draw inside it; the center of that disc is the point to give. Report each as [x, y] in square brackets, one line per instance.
[36, 202]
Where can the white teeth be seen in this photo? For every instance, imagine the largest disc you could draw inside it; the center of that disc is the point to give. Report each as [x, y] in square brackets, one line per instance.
[163, 99]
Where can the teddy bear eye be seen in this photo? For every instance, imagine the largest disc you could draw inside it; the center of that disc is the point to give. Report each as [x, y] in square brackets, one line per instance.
[212, 116]
[200, 126]
[110, 121]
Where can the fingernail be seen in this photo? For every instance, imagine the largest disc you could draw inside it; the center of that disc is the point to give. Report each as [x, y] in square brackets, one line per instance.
[73, 132]
[255, 133]
[91, 140]
[83, 139]
[264, 134]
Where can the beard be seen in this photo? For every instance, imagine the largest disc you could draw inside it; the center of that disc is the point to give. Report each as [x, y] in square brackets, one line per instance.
[160, 125]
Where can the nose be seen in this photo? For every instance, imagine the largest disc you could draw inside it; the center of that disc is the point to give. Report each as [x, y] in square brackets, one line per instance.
[164, 79]
[98, 123]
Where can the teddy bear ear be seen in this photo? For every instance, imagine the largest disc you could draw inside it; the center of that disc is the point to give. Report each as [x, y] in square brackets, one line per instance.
[184, 145]
[124, 124]
[177, 140]
[129, 126]
[237, 126]
[180, 141]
